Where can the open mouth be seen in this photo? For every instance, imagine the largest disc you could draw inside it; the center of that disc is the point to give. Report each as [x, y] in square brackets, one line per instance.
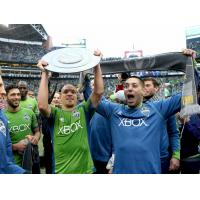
[69, 99]
[16, 103]
[130, 96]
[130, 99]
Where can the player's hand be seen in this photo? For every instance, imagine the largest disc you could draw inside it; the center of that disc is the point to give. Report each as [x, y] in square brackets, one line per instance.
[189, 52]
[174, 164]
[98, 53]
[21, 146]
[33, 139]
[42, 64]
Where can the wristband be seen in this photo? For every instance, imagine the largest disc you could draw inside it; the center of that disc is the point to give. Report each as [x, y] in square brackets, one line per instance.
[176, 155]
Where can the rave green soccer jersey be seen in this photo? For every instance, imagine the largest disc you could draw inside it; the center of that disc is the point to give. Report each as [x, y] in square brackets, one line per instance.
[30, 103]
[20, 124]
[70, 140]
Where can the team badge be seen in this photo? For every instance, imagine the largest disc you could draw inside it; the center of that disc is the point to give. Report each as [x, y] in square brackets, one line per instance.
[145, 111]
[26, 117]
[2, 128]
[76, 114]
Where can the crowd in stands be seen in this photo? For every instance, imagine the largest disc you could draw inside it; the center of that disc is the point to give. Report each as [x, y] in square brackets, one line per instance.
[194, 44]
[34, 83]
[21, 53]
[173, 84]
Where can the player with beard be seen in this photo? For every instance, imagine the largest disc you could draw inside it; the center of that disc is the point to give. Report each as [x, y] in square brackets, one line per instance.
[22, 123]
[7, 164]
[170, 152]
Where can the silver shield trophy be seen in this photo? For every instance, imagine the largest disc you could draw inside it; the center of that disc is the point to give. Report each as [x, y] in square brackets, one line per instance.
[70, 60]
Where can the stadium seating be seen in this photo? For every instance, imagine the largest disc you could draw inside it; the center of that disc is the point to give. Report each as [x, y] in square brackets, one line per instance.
[194, 44]
[21, 53]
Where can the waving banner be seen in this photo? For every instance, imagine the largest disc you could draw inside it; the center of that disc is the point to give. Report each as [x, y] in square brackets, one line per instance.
[163, 62]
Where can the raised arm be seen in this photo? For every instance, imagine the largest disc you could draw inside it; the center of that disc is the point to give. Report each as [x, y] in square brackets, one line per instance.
[98, 84]
[43, 93]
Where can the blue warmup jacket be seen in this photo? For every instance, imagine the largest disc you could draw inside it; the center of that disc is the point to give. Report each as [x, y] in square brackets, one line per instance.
[100, 140]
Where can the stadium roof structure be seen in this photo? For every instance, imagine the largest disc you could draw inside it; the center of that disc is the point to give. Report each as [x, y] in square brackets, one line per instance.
[25, 32]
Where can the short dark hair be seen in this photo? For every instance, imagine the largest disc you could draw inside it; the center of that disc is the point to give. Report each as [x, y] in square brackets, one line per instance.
[153, 80]
[10, 87]
[137, 77]
[70, 86]
[124, 75]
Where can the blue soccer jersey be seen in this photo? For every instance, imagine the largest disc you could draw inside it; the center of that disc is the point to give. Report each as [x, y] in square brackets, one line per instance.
[137, 133]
